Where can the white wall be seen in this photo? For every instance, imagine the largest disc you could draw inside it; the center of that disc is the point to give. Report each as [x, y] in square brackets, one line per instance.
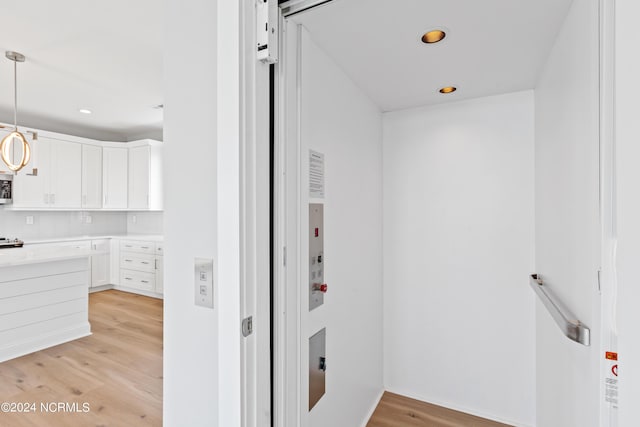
[567, 219]
[628, 208]
[458, 247]
[338, 120]
[60, 224]
[202, 345]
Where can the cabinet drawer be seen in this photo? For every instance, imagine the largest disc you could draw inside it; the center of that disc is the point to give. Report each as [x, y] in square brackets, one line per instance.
[83, 244]
[138, 262]
[159, 248]
[137, 280]
[137, 247]
[78, 244]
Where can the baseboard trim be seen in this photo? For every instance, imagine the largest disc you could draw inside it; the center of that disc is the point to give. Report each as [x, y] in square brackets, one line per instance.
[373, 408]
[458, 408]
[138, 292]
[100, 288]
[42, 342]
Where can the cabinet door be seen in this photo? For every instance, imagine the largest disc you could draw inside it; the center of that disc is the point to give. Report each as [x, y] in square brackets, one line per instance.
[91, 177]
[31, 191]
[66, 175]
[139, 158]
[160, 275]
[114, 184]
[101, 264]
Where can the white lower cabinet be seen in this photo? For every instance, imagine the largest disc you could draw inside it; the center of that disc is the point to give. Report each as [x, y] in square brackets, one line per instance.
[138, 280]
[129, 265]
[159, 268]
[141, 266]
[101, 263]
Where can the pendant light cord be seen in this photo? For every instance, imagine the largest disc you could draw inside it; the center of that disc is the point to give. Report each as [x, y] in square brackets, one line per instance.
[15, 94]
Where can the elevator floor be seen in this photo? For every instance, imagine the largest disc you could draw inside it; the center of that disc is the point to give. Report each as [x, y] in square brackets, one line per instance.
[399, 411]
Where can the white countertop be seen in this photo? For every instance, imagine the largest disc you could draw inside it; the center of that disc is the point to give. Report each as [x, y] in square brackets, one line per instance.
[144, 237]
[21, 256]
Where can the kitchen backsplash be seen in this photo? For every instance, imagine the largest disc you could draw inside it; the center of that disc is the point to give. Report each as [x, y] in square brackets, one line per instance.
[144, 222]
[51, 224]
[60, 224]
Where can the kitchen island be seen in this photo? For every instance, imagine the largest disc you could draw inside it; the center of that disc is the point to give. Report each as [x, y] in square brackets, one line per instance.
[43, 298]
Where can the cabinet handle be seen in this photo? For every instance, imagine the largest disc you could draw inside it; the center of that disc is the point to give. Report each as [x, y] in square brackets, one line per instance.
[128, 278]
[145, 262]
[128, 260]
[144, 247]
[155, 264]
[144, 281]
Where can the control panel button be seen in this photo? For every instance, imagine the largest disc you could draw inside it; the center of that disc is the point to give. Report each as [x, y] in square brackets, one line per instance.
[320, 287]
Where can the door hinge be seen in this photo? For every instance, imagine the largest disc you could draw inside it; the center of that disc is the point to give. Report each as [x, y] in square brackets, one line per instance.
[247, 326]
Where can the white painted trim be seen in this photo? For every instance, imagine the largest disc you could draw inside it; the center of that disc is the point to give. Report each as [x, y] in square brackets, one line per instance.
[26, 209]
[608, 201]
[281, 391]
[44, 341]
[82, 140]
[254, 225]
[227, 276]
[133, 291]
[101, 288]
[458, 408]
[287, 236]
[373, 408]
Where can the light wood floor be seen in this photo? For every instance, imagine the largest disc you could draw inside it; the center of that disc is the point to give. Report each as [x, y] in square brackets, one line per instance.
[399, 411]
[117, 370]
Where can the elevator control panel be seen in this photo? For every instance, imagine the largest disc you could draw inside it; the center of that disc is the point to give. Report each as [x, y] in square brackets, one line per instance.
[317, 285]
[317, 366]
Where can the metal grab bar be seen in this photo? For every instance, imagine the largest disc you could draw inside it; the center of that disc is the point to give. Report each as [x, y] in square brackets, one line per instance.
[570, 326]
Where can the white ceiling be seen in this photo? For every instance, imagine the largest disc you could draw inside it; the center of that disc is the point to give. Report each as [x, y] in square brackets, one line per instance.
[105, 56]
[492, 46]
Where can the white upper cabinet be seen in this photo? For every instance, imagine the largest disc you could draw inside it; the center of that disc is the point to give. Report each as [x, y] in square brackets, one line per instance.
[74, 173]
[58, 182]
[32, 191]
[145, 176]
[91, 176]
[66, 175]
[114, 178]
[139, 177]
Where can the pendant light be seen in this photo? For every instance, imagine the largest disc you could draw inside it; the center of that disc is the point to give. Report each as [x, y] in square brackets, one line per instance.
[15, 135]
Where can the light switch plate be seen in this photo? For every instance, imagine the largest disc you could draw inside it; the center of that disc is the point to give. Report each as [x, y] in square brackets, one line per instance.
[203, 281]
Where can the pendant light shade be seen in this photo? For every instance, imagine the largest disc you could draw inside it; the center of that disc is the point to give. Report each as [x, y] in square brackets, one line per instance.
[15, 137]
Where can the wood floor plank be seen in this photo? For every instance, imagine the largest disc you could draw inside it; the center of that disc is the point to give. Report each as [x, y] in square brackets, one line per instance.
[117, 370]
[400, 411]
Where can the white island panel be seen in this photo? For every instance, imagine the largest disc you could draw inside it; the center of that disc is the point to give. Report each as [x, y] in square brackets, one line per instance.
[43, 300]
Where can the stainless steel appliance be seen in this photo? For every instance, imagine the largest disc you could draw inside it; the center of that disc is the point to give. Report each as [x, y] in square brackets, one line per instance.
[6, 189]
[10, 243]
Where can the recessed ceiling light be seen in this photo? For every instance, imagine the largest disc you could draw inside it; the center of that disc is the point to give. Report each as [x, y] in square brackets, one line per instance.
[433, 36]
[84, 111]
[448, 89]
